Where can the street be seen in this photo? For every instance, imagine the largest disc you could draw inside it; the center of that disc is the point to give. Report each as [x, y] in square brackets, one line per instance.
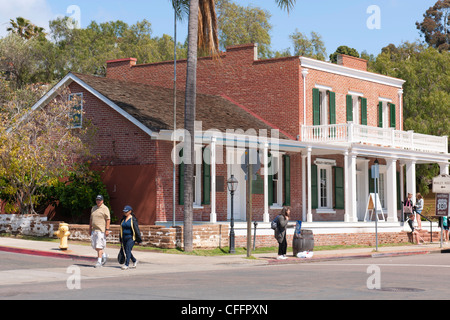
[402, 277]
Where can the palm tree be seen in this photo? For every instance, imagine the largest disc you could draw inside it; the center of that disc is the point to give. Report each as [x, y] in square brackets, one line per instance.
[203, 36]
[25, 29]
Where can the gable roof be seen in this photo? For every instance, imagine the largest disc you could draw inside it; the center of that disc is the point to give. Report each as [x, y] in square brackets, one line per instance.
[151, 107]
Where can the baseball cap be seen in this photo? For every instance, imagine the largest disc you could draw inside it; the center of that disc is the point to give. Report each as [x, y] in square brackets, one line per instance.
[99, 197]
[127, 208]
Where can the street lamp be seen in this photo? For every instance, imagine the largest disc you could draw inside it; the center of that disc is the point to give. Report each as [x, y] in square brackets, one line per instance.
[232, 184]
[376, 176]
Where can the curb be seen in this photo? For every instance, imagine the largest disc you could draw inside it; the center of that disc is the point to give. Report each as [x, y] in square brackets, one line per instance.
[61, 254]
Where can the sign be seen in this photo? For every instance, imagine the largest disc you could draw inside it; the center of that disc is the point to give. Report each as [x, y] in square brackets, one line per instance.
[442, 204]
[375, 170]
[251, 157]
[371, 207]
[441, 184]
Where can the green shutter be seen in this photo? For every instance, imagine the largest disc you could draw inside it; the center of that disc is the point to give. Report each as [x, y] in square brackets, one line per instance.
[392, 115]
[316, 107]
[206, 176]
[314, 187]
[332, 107]
[339, 187]
[181, 180]
[371, 182]
[380, 114]
[364, 111]
[270, 182]
[399, 201]
[287, 180]
[258, 185]
[349, 102]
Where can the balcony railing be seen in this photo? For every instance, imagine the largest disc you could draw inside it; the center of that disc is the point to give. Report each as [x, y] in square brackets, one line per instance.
[386, 137]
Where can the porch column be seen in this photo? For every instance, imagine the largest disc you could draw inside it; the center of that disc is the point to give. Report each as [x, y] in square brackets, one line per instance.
[213, 216]
[309, 217]
[352, 214]
[411, 179]
[400, 105]
[303, 187]
[266, 183]
[443, 167]
[391, 189]
[346, 190]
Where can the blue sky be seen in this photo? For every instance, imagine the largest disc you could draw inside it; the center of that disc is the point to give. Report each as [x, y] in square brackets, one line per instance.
[342, 22]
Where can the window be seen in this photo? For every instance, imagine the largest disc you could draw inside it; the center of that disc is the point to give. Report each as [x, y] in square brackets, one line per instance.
[76, 114]
[386, 114]
[322, 184]
[356, 108]
[279, 180]
[324, 106]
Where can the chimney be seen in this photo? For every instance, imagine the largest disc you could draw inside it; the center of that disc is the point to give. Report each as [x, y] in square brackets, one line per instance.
[352, 62]
[119, 69]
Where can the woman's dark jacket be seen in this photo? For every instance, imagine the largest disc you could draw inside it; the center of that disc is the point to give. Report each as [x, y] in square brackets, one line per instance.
[134, 228]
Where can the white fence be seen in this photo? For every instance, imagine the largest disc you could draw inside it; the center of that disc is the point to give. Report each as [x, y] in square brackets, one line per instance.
[387, 137]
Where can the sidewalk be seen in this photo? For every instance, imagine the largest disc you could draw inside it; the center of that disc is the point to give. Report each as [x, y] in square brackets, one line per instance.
[184, 262]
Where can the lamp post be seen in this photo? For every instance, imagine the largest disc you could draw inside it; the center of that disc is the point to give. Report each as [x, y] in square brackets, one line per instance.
[376, 176]
[232, 186]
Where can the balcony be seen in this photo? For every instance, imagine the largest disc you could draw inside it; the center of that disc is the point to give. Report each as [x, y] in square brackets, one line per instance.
[387, 137]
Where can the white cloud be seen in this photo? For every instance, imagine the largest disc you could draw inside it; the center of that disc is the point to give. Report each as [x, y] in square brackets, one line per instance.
[37, 11]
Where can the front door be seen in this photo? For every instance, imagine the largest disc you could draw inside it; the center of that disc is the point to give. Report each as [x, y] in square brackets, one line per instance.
[234, 168]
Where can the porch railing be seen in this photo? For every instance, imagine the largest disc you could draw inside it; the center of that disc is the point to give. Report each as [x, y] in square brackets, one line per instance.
[387, 137]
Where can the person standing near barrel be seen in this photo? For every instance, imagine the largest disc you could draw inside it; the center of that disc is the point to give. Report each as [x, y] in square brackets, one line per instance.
[280, 232]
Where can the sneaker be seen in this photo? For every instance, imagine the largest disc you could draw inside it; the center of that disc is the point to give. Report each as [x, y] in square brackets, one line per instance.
[134, 264]
[124, 267]
[98, 265]
[281, 257]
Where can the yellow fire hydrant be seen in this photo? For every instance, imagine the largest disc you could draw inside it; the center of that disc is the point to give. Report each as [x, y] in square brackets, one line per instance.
[63, 234]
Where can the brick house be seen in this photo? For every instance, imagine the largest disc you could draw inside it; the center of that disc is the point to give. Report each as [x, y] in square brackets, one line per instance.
[318, 126]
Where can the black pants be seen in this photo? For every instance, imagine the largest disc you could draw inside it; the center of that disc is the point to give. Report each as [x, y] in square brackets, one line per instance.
[282, 247]
[128, 244]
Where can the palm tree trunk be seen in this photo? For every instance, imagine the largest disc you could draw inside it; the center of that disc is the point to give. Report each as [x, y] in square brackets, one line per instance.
[189, 120]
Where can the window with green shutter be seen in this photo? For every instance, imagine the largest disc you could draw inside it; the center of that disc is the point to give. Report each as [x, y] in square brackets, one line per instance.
[314, 187]
[364, 111]
[206, 176]
[287, 180]
[380, 114]
[339, 187]
[392, 115]
[349, 104]
[332, 107]
[181, 180]
[316, 107]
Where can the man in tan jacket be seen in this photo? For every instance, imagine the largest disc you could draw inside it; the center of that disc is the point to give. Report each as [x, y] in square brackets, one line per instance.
[99, 229]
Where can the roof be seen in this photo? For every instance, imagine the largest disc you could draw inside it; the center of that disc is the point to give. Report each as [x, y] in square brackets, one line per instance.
[153, 106]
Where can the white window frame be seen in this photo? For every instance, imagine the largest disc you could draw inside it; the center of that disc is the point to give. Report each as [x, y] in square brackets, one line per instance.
[324, 104]
[80, 94]
[356, 106]
[386, 114]
[197, 188]
[327, 165]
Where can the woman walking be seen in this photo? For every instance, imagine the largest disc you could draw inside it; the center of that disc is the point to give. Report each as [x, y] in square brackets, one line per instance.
[280, 232]
[129, 235]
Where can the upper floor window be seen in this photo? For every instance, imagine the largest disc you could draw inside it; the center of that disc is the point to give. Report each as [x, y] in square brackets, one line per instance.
[356, 106]
[386, 113]
[324, 106]
[76, 113]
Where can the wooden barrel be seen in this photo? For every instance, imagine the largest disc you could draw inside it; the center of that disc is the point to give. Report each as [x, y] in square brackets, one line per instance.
[303, 241]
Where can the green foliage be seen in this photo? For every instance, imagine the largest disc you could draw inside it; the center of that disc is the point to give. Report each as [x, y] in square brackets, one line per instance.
[312, 48]
[343, 50]
[75, 196]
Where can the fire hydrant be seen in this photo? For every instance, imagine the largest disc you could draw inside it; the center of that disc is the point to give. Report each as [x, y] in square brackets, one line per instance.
[63, 234]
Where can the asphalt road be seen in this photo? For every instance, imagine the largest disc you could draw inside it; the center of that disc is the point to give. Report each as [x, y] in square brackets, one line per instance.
[24, 277]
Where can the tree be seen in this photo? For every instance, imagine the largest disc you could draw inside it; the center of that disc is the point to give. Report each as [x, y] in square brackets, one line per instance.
[426, 92]
[202, 33]
[435, 26]
[36, 149]
[312, 48]
[25, 29]
[240, 25]
[343, 50]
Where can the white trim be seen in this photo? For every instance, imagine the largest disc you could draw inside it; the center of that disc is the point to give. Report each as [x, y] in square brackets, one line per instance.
[321, 87]
[350, 72]
[68, 79]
